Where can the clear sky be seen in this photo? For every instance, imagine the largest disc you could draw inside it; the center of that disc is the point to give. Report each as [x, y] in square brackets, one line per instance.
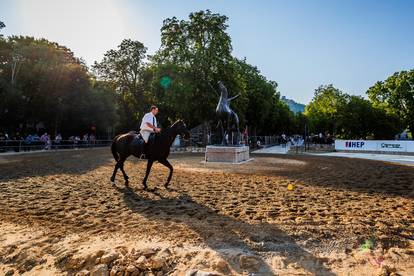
[301, 44]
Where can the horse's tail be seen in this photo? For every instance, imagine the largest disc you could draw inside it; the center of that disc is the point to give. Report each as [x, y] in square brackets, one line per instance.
[113, 148]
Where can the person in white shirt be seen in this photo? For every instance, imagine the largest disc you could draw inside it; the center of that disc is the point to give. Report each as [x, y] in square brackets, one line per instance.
[149, 124]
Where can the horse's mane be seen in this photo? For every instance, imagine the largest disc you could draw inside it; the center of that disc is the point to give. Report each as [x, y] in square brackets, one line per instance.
[166, 131]
[176, 122]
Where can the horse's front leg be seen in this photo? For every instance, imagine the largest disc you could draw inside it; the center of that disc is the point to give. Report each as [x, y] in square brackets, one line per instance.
[223, 134]
[149, 165]
[168, 165]
[229, 133]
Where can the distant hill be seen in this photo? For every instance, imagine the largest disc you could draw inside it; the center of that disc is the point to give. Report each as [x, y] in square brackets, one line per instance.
[293, 106]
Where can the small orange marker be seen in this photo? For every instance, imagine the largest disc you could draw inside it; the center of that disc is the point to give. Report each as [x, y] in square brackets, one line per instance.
[290, 187]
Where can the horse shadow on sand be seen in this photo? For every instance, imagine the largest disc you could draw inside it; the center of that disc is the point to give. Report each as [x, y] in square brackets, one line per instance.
[249, 239]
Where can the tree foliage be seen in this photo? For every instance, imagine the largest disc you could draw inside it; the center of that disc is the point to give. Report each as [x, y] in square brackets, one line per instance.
[42, 81]
[196, 54]
[396, 96]
[351, 117]
[124, 71]
[323, 110]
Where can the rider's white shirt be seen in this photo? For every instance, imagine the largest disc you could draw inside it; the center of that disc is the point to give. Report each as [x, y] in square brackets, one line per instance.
[148, 118]
[145, 130]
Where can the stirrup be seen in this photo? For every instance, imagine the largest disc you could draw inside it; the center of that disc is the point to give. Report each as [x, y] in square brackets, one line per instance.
[142, 156]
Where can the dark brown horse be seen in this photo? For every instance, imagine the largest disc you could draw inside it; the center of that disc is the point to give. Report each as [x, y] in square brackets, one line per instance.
[157, 149]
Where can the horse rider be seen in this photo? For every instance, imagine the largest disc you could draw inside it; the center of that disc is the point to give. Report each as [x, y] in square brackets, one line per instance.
[149, 124]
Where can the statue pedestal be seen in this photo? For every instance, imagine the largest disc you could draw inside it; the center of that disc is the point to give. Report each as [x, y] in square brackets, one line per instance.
[227, 154]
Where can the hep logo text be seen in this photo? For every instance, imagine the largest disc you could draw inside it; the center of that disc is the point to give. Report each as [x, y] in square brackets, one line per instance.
[354, 144]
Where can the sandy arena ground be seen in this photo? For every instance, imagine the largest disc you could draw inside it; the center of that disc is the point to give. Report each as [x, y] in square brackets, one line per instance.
[60, 215]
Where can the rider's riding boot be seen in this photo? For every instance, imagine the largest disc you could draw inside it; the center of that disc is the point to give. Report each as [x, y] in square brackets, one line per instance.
[144, 151]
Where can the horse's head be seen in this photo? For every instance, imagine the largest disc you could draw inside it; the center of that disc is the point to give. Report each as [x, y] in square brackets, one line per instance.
[181, 129]
[223, 89]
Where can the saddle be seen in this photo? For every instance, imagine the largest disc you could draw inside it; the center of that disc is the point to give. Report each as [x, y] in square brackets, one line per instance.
[139, 145]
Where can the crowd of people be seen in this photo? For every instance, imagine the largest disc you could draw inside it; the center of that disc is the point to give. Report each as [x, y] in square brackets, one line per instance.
[33, 141]
[292, 140]
[45, 141]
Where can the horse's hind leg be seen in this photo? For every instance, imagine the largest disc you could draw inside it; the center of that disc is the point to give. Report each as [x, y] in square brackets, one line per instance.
[121, 166]
[115, 170]
[237, 123]
[168, 165]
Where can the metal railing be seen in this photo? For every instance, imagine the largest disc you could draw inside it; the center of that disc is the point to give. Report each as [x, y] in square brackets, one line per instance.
[251, 141]
[26, 146]
[184, 146]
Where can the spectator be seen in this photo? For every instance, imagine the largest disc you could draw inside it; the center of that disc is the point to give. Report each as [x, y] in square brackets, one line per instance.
[44, 139]
[17, 142]
[72, 140]
[28, 142]
[92, 139]
[58, 140]
[3, 139]
[76, 140]
[85, 140]
[36, 140]
[48, 143]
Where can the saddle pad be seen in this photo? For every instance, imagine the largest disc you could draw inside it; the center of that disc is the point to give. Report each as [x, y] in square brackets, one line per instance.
[137, 140]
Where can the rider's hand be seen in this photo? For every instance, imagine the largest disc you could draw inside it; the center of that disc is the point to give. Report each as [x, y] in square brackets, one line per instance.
[157, 130]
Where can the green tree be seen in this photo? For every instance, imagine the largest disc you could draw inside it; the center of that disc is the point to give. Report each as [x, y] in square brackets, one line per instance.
[348, 116]
[297, 124]
[265, 113]
[101, 110]
[386, 125]
[201, 48]
[175, 98]
[356, 118]
[124, 70]
[42, 81]
[396, 96]
[323, 110]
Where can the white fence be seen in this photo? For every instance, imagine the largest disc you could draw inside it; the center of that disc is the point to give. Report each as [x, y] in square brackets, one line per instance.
[375, 145]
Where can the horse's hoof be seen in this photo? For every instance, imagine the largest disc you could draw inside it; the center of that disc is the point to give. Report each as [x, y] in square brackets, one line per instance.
[112, 179]
[170, 189]
[126, 182]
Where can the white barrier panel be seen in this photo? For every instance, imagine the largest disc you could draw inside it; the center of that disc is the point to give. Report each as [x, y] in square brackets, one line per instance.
[400, 146]
[410, 146]
[355, 145]
[375, 145]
